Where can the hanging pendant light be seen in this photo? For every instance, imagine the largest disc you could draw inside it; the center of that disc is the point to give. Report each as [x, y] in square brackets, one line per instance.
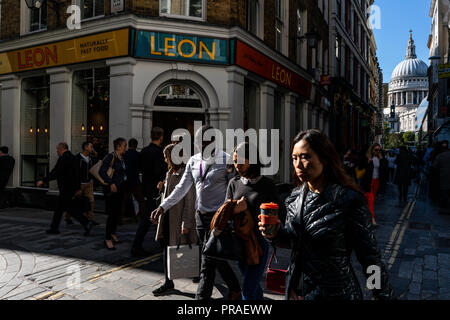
[83, 127]
[38, 130]
[46, 130]
[101, 128]
[92, 128]
[31, 130]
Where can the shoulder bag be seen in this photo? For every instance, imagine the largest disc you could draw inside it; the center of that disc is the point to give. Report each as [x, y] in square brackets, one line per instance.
[94, 171]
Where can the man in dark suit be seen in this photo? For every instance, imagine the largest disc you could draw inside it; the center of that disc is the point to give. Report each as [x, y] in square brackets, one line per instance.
[6, 166]
[133, 185]
[153, 168]
[66, 173]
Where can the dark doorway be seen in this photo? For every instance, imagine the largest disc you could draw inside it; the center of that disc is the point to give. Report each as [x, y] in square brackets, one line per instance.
[171, 121]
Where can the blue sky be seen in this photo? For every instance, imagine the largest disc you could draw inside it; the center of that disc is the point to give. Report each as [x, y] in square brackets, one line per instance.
[397, 18]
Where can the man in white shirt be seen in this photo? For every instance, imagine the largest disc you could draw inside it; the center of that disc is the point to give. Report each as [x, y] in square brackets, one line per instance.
[210, 177]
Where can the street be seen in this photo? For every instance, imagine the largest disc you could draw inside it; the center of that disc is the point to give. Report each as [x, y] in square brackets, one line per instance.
[414, 240]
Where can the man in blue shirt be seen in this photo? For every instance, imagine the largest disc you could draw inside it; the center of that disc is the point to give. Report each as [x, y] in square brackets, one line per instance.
[210, 177]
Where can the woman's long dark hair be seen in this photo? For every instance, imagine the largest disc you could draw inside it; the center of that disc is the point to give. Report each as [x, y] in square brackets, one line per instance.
[168, 153]
[333, 168]
[244, 149]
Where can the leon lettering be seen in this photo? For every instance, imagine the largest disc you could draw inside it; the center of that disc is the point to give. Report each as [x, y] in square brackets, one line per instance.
[185, 48]
[36, 57]
[282, 75]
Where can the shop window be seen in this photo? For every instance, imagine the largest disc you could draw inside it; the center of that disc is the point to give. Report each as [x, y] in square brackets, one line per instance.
[251, 103]
[253, 16]
[37, 18]
[183, 8]
[178, 96]
[90, 110]
[34, 130]
[92, 8]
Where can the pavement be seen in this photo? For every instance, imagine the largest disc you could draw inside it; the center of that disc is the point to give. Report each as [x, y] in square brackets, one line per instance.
[414, 238]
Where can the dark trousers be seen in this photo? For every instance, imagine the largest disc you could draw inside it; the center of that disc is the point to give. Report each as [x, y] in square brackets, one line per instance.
[144, 223]
[65, 203]
[252, 275]
[113, 208]
[136, 191]
[391, 174]
[402, 191]
[209, 265]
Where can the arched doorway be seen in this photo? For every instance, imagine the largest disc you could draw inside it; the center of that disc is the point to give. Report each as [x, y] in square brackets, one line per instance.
[176, 106]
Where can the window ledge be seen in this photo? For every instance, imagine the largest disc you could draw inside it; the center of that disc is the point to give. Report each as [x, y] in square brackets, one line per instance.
[93, 18]
[176, 16]
[35, 31]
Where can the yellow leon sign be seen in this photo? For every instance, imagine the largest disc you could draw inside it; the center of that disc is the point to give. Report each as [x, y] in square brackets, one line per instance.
[99, 46]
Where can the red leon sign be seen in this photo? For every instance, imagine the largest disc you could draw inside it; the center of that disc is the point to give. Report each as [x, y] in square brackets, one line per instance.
[251, 60]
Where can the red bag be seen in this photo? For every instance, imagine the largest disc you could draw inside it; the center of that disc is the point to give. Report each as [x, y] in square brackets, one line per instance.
[275, 278]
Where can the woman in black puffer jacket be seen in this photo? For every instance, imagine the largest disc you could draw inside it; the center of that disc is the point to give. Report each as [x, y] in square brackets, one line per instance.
[327, 219]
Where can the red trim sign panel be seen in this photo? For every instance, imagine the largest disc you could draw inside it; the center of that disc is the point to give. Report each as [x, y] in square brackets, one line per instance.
[252, 60]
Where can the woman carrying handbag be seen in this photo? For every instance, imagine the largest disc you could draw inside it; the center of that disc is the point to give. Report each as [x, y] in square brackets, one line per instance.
[176, 226]
[327, 220]
[112, 171]
[251, 189]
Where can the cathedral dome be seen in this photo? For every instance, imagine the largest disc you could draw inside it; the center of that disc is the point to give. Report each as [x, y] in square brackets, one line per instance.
[411, 66]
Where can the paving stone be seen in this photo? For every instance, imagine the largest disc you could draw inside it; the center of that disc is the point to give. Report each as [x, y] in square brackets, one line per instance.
[406, 269]
[409, 252]
[430, 285]
[417, 276]
[27, 294]
[430, 262]
[415, 288]
[429, 294]
[429, 275]
[413, 297]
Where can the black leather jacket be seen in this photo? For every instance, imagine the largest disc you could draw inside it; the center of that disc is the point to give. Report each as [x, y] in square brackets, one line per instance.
[322, 238]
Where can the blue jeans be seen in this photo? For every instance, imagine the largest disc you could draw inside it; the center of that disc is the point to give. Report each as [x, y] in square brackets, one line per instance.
[252, 275]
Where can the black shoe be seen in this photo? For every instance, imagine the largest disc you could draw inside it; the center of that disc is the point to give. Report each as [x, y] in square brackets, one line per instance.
[106, 246]
[164, 289]
[139, 252]
[95, 223]
[196, 280]
[52, 231]
[68, 221]
[88, 228]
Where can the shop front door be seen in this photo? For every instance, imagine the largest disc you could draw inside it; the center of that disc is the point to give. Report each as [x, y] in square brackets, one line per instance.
[171, 121]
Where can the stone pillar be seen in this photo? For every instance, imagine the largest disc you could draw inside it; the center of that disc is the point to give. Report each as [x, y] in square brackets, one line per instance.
[147, 119]
[236, 77]
[10, 126]
[60, 113]
[137, 124]
[305, 108]
[289, 133]
[121, 97]
[321, 114]
[267, 105]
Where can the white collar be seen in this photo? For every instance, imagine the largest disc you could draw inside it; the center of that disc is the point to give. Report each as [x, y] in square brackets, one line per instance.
[247, 181]
[87, 159]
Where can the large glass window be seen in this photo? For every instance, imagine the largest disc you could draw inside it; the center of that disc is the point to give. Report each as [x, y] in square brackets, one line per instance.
[279, 24]
[92, 8]
[90, 110]
[185, 8]
[34, 130]
[37, 18]
[252, 16]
